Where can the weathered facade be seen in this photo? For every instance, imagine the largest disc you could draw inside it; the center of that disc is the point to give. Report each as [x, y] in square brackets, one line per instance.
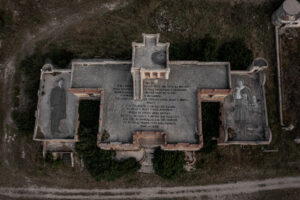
[151, 101]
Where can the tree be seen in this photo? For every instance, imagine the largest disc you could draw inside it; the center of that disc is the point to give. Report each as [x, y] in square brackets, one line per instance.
[5, 18]
[168, 164]
[60, 57]
[180, 51]
[204, 49]
[100, 163]
[237, 53]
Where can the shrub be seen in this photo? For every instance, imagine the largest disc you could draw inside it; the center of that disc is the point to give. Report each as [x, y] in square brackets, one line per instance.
[16, 92]
[204, 49]
[180, 51]
[100, 163]
[30, 66]
[5, 18]
[24, 120]
[168, 164]
[237, 53]
[60, 57]
[50, 162]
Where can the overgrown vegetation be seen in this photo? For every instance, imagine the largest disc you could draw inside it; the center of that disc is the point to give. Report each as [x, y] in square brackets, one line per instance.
[237, 53]
[203, 49]
[210, 125]
[168, 164]
[51, 162]
[29, 68]
[207, 49]
[59, 57]
[5, 18]
[100, 163]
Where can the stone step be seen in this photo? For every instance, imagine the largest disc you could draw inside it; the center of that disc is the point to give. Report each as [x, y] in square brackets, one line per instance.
[147, 163]
[146, 169]
[149, 150]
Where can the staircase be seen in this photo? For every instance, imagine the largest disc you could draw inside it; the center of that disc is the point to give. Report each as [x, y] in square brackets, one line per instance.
[147, 166]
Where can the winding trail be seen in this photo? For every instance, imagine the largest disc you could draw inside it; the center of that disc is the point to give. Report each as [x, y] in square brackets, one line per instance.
[220, 190]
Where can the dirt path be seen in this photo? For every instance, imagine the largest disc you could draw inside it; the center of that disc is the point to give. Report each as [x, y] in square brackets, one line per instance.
[210, 191]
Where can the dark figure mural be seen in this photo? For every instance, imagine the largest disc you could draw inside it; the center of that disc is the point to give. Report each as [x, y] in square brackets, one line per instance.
[58, 106]
[159, 57]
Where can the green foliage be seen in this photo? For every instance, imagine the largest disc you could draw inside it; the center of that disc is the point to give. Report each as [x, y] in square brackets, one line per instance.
[237, 53]
[180, 51]
[24, 121]
[30, 67]
[5, 18]
[50, 162]
[168, 164]
[100, 163]
[16, 92]
[60, 57]
[105, 135]
[204, 49]
[210, 125]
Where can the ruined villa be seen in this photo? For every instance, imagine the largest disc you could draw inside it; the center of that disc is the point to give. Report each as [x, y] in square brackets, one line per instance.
[151, 101]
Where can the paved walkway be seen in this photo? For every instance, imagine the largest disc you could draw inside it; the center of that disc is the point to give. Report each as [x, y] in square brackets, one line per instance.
[147, 166]
[212, 191]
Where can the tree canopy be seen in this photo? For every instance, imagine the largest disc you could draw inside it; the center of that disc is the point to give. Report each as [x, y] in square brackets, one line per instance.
[237, 53]
[168, 164]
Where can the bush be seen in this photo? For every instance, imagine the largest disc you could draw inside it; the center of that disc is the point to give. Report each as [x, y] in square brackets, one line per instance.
[24, 120]
[204, 49]
[168, 164]
[60, 57]
[50, 162]
[5, 18]
[30, 67]
[100, 163]
[237, 53]
[180, 51]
